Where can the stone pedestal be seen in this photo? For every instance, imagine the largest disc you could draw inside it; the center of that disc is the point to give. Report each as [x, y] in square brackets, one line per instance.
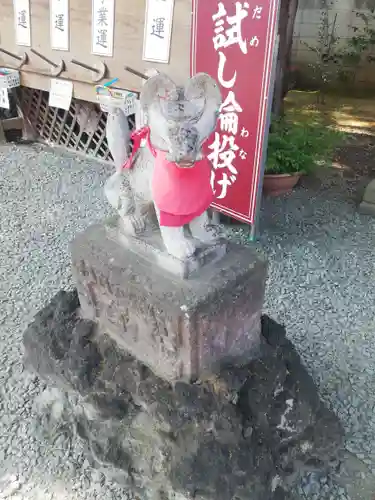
[181, 329]
[367, 206]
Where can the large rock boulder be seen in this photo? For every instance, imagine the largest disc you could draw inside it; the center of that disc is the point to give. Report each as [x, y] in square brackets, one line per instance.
[242, 433]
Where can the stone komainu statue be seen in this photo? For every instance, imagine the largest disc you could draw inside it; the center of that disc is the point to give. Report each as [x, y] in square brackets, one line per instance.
[166, 173]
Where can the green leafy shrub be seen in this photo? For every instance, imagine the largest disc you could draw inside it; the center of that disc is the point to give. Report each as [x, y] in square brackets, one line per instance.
[360, 47]
[299, 147]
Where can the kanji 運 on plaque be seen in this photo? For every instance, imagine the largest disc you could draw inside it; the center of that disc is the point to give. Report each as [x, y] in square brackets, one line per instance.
[239, 55]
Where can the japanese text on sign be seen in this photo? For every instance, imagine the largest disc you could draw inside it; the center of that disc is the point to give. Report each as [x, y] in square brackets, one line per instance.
[60, 94]
[158, 30]
[238, 54]
[4, 99]
[227, 32]
[22, 22]
[59, 19]
[118, 98]
[103, 12]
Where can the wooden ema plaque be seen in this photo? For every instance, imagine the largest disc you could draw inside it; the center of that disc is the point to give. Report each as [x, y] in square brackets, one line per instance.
[38, 25]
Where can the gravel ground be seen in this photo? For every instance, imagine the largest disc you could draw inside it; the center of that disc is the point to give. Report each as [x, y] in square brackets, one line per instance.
[320, 286]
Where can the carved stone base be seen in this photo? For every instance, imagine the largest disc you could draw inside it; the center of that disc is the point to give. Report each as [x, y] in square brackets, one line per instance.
[246, 433]
[150, 246]
[179, 328]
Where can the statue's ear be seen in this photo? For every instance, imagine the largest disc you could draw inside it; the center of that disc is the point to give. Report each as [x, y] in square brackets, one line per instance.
[203, 85]
[155, 88]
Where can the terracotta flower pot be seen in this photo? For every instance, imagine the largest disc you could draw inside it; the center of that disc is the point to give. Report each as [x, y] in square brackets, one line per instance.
[277, 184]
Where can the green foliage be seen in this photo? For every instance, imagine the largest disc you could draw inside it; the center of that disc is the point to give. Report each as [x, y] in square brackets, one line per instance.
[359, 47]
[326, 49]
[299, 147]
[333, 62]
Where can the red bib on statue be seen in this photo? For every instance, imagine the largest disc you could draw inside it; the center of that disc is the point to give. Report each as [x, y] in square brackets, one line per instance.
[181, 194]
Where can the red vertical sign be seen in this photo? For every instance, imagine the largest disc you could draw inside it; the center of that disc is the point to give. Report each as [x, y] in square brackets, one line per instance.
[234, 42]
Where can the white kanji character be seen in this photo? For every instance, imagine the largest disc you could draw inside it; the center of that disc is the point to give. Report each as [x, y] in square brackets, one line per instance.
[229, 122]
[224, 183]
[233, 35]
[244, 132]
[230, 104]
[218, 17]
[223, 153]
[229, 119]
[254, 42]
[228, 84]
[257, 12]
[213, 177]
[243, 154]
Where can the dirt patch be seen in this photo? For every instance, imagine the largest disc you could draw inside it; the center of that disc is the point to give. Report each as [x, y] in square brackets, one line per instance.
[357, 158]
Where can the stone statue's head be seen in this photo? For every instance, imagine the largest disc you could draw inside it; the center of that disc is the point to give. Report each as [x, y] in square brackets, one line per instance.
[180, 117]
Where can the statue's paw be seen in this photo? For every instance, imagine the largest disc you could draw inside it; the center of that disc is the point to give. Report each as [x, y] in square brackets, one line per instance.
[132, 225]
[177, 244]
[186, 249]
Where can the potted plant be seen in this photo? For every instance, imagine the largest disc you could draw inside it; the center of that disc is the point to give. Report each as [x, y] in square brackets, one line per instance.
[295, 149]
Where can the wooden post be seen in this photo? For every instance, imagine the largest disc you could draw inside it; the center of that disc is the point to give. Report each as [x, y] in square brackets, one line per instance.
[288, 12]
[2, 134]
